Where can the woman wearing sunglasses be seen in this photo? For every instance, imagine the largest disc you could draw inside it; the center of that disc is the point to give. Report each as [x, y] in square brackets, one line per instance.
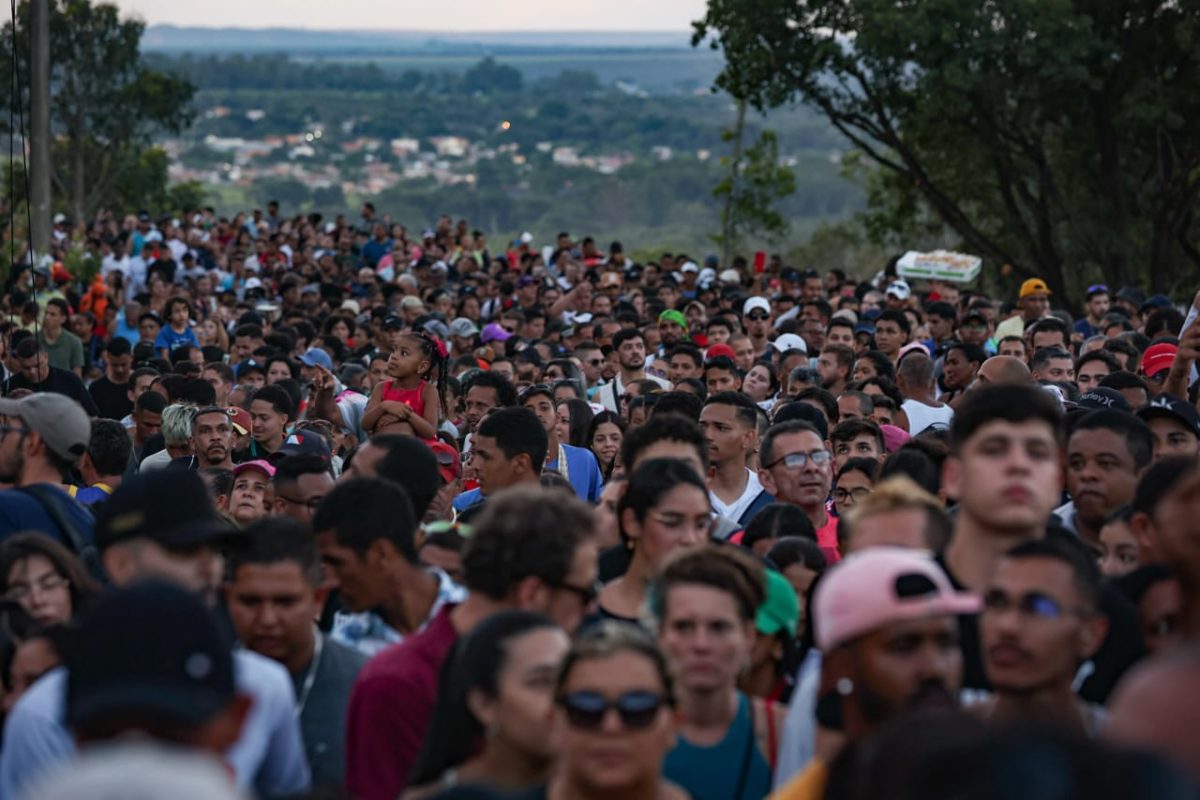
[706, 601]
[614, 718]
[665, 508]
[489, 727]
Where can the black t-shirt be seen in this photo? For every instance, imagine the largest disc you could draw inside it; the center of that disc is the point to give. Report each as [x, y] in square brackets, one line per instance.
[60, 381]
[111, 398]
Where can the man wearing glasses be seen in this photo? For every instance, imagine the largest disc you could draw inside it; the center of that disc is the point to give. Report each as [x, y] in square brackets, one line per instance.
[797, 469]
[1041, 620]
[301, 483]
[42, 436]
[756, 319]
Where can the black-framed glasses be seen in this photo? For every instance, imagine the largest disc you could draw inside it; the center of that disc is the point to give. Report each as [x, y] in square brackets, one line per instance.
[311, 503]
[758, 316]
[799, 459]
[850, 496]
[587, 594]
[1031, 605]
[586, 710]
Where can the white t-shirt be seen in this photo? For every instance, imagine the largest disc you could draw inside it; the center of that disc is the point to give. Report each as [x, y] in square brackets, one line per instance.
[738, 507]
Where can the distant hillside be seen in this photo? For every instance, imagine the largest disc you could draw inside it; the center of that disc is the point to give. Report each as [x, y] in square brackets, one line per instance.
[659, 63]
[174, 38]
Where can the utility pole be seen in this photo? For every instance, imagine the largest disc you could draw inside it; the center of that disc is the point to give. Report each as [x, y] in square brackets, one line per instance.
[39, 125]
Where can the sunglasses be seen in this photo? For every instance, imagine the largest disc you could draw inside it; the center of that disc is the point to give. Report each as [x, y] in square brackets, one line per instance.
[758, 316]
[586, 710]
[1097, 287]
[1031, 605]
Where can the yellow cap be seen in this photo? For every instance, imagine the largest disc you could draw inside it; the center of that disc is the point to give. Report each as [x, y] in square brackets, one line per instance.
[1033, 286]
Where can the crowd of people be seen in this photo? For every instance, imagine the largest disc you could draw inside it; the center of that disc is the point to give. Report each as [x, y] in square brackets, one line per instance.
[298, 507]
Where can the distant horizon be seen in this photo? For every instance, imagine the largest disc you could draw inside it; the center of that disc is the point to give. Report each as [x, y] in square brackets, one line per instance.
[484, 16]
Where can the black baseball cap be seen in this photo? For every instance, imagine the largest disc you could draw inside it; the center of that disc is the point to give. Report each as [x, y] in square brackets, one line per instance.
[151, 651]
[1104, 397]
[170, 507]
[1166, 405]
[302, 443]
[392, 323]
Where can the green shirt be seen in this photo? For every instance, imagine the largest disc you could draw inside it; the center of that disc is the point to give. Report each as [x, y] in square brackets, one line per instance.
[66, 353]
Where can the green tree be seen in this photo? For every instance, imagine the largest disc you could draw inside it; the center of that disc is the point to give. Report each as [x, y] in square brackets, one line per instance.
[1061, 137]
[489, 77]
[106, 105]
[754, 181]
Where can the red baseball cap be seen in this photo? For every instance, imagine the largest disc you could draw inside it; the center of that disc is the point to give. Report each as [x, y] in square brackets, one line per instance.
[720, 350]
[449, 464]
[1157, 358]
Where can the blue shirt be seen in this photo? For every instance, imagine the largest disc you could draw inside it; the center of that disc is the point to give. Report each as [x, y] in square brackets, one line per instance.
[268, 759]
[583, 471]
[467, 499]
[168, 339]
[20, 512]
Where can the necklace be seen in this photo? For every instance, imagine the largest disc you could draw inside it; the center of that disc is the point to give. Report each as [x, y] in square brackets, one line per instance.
[311, 677]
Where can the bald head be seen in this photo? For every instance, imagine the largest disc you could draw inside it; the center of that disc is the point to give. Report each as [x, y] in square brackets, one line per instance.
[1157, 708]
[1004, 369]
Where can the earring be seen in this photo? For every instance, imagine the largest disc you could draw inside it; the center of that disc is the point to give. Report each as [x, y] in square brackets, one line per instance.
[845, 687]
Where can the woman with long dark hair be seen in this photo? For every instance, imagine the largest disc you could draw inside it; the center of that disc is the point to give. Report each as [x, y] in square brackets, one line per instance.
[45, 578]
[665, 508]
[574, 421]
[604, 436]
[497, 691]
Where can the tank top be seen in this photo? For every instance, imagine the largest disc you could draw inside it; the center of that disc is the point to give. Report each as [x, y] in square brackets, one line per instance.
[732, 769]
[413, 398]
[921, 416]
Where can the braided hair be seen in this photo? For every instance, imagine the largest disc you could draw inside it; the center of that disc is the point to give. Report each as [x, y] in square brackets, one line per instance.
[435, 351]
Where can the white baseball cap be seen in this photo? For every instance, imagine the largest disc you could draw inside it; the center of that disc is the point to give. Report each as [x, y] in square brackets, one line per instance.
[790, 341]
[756, 302]
[899, 290]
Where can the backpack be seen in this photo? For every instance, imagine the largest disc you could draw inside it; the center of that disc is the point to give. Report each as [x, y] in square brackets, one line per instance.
[82, 546]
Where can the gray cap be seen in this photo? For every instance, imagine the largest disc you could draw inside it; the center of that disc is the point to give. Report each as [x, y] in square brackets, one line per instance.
[463, 327]
[60, 421]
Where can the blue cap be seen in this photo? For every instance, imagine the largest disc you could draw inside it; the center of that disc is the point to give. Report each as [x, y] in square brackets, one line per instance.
[248, 366]
[864, 327]
[871, 314]
[316, 357]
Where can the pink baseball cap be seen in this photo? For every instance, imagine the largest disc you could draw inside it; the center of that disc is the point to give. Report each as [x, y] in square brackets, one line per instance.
[893, 438]
[882, 586]
[258, 464]
[1157, 358]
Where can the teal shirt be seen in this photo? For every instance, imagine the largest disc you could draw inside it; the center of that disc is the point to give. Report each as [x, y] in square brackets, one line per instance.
[732, 769]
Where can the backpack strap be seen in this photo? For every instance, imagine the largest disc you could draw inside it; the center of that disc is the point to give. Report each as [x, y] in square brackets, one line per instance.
[83, 546]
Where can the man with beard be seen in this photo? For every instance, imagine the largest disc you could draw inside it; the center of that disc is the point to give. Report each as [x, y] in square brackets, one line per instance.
[41, 437]
[484, 392]
[630, 346]
[834, 366]
[885, 624]
[672, 329]
[1041, 620]
[212, 438]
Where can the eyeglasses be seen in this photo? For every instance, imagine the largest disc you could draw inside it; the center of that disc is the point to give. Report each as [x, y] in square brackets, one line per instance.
[1031, 605]
[850, 496]
[797, 460]
[19, 591]
[10, 428]
[587, 594]
[311, 503]
[758, 316]
[587, 710]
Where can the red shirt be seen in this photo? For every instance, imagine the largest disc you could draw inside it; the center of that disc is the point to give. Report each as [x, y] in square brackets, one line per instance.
[390, 709]
[827, 539]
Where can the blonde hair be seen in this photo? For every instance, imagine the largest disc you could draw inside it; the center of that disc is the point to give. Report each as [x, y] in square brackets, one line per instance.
[898, 493]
